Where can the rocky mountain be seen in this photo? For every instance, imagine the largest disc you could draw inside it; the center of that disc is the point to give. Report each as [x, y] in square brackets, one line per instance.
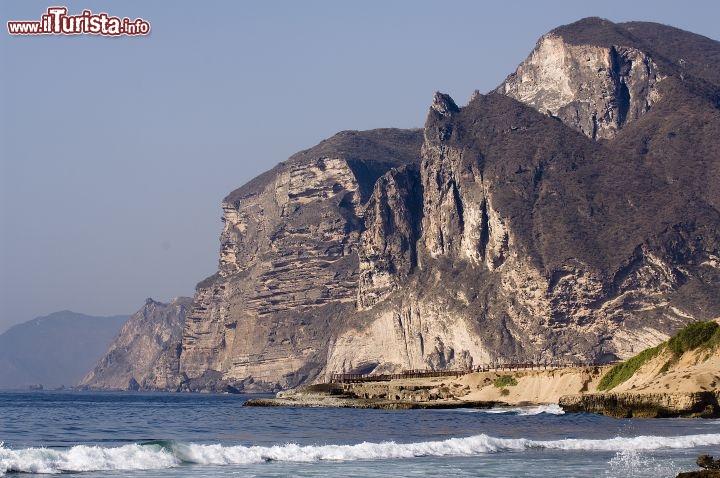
[146, 353]
[55, 350]
[570, 214]
[288, 263]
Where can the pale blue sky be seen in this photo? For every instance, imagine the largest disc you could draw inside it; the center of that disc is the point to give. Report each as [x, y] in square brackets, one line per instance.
[116, 152]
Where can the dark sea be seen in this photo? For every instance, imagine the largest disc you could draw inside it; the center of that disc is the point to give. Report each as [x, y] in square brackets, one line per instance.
[198, 435]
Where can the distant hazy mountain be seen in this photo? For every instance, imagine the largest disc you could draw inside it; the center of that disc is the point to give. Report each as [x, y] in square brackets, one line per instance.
[54, 350]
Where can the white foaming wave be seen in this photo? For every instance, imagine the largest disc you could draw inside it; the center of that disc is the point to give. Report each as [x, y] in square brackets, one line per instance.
[217, 454]
[85, 458]
[639, 443]
[145, 457]
[550, 409]
[479, 444]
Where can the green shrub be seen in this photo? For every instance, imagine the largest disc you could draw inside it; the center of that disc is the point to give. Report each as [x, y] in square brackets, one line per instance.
[714, 341]
[693, 336]
[504, 392]
[505, 381]
[623, 371]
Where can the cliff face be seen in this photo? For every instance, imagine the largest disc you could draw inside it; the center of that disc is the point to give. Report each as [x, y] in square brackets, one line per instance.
[289, 263]
[392, 226]
[566, 215]
[648, 405]
[145, 354]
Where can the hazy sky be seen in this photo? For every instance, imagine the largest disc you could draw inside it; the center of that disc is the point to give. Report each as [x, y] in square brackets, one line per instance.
[116, 152]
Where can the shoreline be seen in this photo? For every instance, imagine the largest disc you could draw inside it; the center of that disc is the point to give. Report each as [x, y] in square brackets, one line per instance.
[572, 389]
[506, 388]
[349, 402]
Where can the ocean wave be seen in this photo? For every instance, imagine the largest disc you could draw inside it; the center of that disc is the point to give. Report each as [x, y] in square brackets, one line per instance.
[86, 458]
[550, 409]
[167, 454]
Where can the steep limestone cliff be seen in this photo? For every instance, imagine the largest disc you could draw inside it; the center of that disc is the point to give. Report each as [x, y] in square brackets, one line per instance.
[392, 219]
[288, 263]
[146, 353]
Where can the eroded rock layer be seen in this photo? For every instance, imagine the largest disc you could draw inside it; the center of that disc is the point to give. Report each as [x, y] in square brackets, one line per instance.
[289, 262]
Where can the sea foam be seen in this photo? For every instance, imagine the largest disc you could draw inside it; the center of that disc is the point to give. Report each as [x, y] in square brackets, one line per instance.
[549, 409]
[86, 458]
[170, 454]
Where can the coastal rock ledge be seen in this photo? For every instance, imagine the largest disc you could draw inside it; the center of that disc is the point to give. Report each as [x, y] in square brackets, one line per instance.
[710, 465]
[645, 405]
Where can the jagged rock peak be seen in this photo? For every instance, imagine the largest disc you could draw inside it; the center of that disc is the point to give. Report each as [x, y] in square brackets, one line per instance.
[444, 104]
[677, 52]
[596, 86]
[597, 76]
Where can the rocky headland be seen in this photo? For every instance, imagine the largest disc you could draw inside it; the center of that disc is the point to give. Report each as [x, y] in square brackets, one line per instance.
[145, 354]
[565, 216]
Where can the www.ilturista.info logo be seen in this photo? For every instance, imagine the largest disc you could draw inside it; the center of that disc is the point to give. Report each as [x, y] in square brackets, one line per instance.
[57, 22]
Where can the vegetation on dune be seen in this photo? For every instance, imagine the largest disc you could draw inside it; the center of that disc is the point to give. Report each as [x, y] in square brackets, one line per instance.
[505, 381]
[693, 336]
[696, 335]
[623, 371]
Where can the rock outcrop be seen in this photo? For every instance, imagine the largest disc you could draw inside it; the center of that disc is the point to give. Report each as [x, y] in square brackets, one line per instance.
[387, 250]
[708, 462]
[146, 353]
[597, 76]
[595, 89]
[644, 405]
